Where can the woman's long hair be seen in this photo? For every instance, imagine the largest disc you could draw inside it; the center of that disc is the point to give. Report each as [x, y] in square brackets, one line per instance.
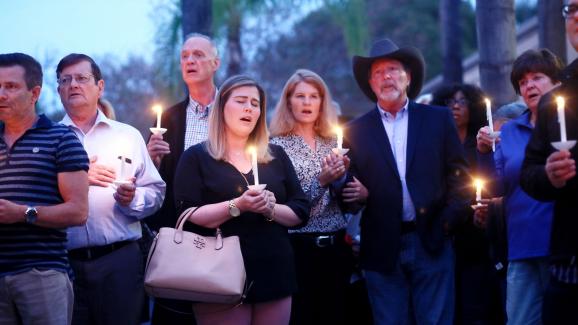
[259, 137]
[283, 121]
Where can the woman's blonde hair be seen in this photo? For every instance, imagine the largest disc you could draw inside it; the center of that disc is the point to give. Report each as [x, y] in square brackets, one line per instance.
[217, 142]
[283, 121]
[106, 108]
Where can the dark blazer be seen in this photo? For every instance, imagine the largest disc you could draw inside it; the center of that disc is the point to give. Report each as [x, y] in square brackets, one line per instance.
[436, 177]
[533, 178]
[174, 120]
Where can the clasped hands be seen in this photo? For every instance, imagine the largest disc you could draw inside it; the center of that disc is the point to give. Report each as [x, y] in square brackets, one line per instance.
[102, 175]
[258, 201]
[334, 167]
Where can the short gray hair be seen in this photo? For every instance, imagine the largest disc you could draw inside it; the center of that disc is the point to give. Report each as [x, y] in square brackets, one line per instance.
[213, 45]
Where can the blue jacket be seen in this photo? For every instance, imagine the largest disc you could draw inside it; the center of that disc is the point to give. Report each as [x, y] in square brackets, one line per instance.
[528, 221]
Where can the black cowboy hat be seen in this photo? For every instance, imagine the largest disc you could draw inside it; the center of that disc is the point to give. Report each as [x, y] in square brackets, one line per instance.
[410, 57]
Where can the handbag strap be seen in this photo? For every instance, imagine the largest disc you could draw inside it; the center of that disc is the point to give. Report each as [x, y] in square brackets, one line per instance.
[185, 215]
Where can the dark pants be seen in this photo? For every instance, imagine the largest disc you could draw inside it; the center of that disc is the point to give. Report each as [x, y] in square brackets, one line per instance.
[108, 289]
[560, 304]
[173, 312]
[324, 266]
[479, 299]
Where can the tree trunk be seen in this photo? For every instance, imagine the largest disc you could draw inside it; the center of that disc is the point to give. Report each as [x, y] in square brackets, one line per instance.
[551, 27]
[234, 50]
[451, 41]
[496, 31]
[197, 16]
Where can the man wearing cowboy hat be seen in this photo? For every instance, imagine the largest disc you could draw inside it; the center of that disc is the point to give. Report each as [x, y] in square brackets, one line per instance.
[409, 157]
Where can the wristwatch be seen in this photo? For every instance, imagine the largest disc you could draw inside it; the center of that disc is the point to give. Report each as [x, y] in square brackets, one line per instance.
[31, 215]
[233, 210]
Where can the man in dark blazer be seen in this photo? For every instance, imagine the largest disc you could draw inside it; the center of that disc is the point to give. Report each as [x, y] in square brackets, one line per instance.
[186, 124]
[410, 159]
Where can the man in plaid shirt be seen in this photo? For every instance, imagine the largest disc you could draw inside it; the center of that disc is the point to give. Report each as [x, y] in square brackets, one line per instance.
[186, 124]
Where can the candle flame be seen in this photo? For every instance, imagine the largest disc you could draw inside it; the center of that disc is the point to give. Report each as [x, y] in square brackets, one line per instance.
[488, 102]
[338, 130]
[478, 183]
[560, 101]
[157, 108]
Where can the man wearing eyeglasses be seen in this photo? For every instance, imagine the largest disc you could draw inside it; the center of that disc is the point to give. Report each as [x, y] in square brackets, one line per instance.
[125, 187]
[43, 190]
[187, 125]
[549, 174]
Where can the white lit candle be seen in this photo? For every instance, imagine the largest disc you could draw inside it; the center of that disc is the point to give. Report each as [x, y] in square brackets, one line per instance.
[159, 110]
[561, 118]
[253, 152]
[122, 172]
[339, 132]
[489, 114]
[479, 184]
[124, 148]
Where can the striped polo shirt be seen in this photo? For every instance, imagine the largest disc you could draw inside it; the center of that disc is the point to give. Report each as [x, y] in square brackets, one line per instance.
[28, 175]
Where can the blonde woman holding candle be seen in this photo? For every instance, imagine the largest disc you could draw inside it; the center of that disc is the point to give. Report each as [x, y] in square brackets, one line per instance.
[215, 175]
[304, 125]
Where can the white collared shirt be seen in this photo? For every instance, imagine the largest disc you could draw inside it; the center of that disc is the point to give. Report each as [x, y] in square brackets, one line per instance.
[396, 129]
[109, 222]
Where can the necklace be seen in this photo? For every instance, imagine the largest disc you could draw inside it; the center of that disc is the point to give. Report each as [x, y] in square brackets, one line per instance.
[238, 171]
[242, 175]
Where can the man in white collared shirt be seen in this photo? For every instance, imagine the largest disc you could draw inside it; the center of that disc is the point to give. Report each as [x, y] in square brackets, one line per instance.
[125, 187]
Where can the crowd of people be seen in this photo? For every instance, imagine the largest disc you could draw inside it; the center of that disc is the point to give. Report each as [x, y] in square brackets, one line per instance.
[81, 198]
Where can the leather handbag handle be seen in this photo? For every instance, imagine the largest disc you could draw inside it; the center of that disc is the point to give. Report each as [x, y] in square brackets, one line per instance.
[184, 217]
[178, 237]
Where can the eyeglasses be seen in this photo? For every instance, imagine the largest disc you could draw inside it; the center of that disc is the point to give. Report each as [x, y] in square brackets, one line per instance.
[80, 79]
[460, 102]
[568, 11]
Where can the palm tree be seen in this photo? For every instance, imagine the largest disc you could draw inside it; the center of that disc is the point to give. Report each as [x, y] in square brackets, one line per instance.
[451, 41]
[197, 16]
[496, 30]
[551, 27]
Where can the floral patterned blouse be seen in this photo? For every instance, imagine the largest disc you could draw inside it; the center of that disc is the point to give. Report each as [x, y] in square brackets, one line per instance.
[325, 214]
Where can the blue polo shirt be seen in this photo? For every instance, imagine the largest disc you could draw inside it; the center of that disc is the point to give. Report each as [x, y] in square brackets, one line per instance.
[28, 175]
[528, 221]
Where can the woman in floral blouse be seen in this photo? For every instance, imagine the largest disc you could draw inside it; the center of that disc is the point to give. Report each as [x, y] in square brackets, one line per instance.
[303, 124]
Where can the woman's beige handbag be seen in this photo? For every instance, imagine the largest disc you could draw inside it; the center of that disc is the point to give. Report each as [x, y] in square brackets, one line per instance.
[186, 266]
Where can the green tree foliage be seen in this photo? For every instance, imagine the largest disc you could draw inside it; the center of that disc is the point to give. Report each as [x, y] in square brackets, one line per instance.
[316, 43]
[168, 40]
[132, 89]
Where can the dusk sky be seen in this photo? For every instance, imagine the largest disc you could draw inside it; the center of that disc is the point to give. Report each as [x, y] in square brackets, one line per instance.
[55, 28]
